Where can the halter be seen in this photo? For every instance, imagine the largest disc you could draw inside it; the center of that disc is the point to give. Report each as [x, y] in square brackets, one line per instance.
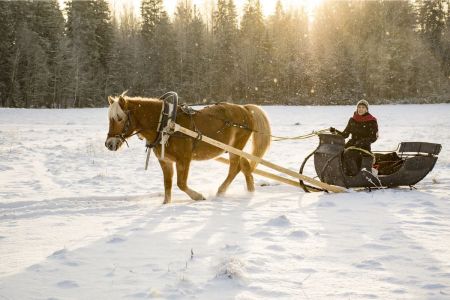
[122, 135]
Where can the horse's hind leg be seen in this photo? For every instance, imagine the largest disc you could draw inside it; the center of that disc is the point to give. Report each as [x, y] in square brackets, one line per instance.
[232, 172]
[167, 168]
[247, 170]
[182, 175]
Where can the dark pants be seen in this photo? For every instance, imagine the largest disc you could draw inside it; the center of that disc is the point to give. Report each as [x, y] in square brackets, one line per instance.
[352, 162]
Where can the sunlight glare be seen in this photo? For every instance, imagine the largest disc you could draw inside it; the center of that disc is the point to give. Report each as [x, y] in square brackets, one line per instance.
[268, 6]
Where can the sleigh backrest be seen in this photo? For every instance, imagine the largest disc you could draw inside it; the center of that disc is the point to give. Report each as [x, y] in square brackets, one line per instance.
[408, 148]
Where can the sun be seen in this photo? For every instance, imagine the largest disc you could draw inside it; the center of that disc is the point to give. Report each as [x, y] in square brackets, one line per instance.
[269, 5]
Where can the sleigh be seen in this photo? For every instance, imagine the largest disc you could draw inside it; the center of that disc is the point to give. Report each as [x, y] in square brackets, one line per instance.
[406, 166]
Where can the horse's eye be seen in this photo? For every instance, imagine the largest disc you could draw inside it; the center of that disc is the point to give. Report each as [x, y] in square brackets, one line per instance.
[119, 119]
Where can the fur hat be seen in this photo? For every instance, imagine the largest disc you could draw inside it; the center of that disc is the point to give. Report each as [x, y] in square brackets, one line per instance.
[363, 102]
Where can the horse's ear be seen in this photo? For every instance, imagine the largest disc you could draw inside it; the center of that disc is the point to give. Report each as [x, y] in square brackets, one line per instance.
[110, 100]
[122, 103]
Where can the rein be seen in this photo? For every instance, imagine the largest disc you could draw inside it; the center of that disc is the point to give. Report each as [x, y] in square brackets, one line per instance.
[299, 137]
[275, 138]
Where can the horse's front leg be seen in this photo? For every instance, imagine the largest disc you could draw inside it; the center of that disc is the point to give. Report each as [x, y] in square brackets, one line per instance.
[182, 175]
[167, 168]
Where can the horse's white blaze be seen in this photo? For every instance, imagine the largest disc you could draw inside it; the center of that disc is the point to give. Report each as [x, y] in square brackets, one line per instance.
[116, 112]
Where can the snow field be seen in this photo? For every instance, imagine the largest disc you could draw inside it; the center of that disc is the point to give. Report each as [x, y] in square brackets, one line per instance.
[80, 222]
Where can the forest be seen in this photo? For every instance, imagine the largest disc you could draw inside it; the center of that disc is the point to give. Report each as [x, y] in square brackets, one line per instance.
[382, 51]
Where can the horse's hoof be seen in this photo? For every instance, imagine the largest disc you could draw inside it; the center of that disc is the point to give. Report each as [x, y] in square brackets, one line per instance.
[199, 198]
[166, 202]
[221, 192]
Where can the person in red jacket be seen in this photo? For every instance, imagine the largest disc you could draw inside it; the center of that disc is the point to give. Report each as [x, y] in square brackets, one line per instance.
[363, 128]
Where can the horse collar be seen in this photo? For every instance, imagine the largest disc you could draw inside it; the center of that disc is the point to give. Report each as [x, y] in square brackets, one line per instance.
[168, 113]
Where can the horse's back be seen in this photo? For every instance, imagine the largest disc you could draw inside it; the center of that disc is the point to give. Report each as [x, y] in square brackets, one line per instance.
[222, 109]
[221, 122]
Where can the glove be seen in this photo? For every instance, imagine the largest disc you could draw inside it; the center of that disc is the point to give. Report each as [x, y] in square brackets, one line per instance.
[332, 130]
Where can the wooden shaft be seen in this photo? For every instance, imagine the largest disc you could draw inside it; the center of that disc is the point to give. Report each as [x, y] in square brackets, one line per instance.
[332, 188]
[265, 174]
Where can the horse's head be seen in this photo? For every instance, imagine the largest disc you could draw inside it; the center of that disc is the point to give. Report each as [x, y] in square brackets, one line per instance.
[120, 127]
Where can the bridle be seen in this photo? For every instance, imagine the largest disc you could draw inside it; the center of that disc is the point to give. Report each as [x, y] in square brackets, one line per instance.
[168, 113]
[123, 135]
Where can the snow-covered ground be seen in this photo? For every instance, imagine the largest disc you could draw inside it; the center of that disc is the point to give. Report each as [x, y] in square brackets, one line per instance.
[80, 222]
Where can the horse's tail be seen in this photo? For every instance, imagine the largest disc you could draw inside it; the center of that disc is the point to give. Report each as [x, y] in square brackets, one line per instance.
[261, 132]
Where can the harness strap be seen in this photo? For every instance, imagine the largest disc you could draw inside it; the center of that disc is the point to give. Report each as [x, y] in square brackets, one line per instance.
[158, 138]
[168, 113]
[160, 117]
[161, 124]
[361, 150]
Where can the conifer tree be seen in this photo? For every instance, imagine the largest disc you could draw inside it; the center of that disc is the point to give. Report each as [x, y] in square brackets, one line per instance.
[6, 51]
[335, 75]
[190, 31]
[224, 41]
[198, 52]
[151, 14]
[252, 61]
[48, 23]
[126, 59]
[35, 29]
[432, 21]
[158, 50]
[89, 33]
[291, 60]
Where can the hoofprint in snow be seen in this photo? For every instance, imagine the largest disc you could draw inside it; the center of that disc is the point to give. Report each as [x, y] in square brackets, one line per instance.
[80, 222]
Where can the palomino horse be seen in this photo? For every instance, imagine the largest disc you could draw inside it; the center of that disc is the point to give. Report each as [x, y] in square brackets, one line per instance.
[228, 123]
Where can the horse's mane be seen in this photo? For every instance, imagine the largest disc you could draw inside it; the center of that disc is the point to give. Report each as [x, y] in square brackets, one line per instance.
[116, 112]
[141, 99]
